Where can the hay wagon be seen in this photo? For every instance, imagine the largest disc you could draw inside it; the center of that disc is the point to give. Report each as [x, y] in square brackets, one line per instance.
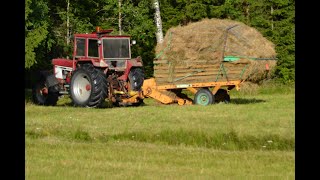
[207, 58]
[210, 83]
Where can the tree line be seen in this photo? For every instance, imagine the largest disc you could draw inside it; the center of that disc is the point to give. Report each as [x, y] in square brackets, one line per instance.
[49, 25]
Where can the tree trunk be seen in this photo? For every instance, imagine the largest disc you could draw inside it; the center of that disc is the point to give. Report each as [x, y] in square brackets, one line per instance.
[120, 28]
[157, 17]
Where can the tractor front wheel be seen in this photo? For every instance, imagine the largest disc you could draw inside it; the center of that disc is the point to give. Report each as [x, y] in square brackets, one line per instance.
[203, 97]
[136, 78]
[88, 87]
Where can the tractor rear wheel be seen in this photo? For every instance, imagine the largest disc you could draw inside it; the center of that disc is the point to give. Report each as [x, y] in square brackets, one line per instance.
[88, 87]
[43, 95]
[222, 96]
[203, 97]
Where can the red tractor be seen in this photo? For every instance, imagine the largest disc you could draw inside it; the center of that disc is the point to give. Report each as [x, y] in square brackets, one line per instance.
[101, 69]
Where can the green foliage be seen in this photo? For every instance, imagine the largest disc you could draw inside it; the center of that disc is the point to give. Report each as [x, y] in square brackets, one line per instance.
[196, 11]
[143, 33]
[285, 40]
[276, 21]
[47, 27]
[35, 29]
[28, 10]
[232, 9]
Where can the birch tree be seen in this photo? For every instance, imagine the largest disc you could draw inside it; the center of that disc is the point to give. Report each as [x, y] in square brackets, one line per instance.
[157, 17]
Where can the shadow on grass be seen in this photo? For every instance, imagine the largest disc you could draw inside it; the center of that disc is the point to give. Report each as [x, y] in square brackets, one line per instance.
[246, 101]
[65, 100]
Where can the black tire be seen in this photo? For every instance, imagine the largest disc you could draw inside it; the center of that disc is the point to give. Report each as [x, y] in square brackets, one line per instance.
[39, 97]
[222, 96]
[203, 97]
[136, 79]
[88, 87]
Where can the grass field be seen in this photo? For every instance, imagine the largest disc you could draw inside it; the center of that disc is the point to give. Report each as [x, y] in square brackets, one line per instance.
[253, 137]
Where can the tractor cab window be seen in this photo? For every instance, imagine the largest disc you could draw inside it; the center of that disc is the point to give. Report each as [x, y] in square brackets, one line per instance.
[116, 48]
[80, 46]
[93, 48]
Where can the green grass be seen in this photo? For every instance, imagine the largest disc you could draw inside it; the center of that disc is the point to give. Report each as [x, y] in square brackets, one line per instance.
[250, 138]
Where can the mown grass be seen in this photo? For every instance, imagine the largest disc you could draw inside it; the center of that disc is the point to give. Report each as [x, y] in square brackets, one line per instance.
[250, 138]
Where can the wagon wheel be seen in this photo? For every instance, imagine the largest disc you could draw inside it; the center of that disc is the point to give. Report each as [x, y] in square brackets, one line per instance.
[203, 97]
[222, 96]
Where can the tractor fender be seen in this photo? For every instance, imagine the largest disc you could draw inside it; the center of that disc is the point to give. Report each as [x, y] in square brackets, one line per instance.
[63, 62]
[48, 77]
[42, 75]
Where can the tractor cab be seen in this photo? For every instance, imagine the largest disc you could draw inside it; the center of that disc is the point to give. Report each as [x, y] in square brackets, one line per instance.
[103, 49]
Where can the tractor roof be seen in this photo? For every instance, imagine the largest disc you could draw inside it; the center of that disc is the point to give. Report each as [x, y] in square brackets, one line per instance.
[102, 33]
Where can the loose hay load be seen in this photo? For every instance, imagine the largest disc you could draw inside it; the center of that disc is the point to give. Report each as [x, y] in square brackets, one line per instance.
[194, 53]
